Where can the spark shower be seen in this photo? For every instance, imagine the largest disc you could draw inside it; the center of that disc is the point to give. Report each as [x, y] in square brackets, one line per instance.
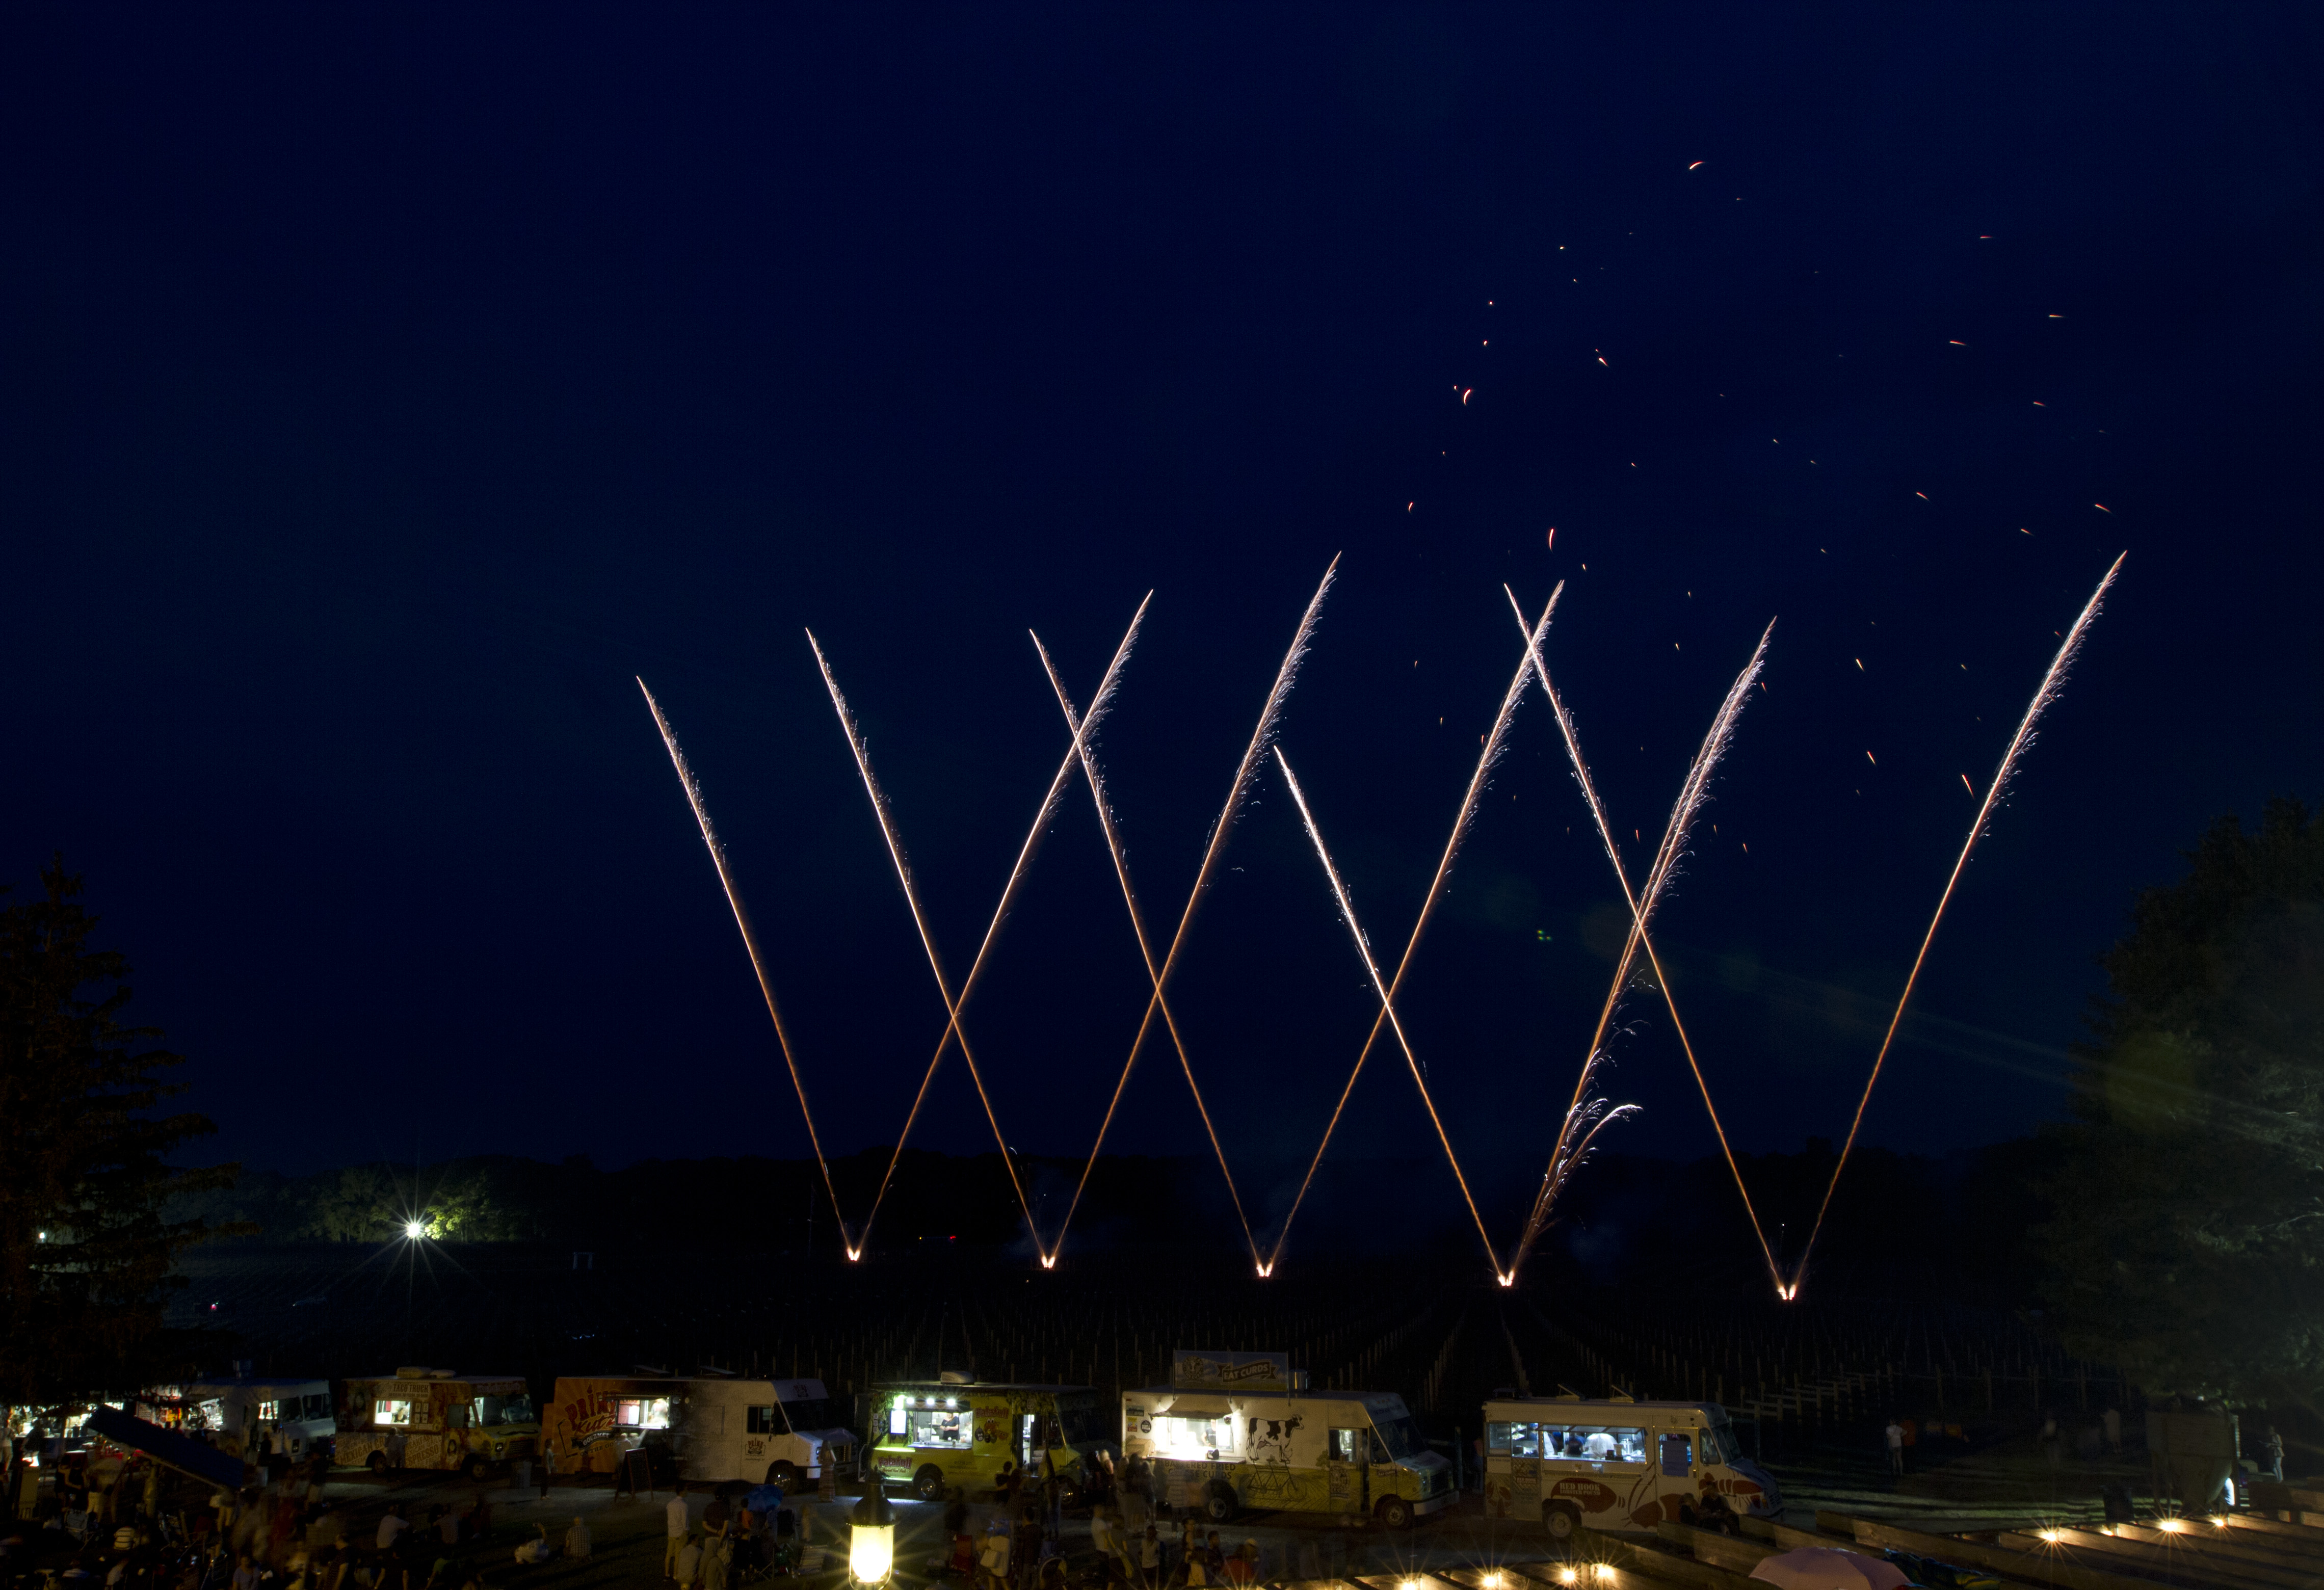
[1588, 1113]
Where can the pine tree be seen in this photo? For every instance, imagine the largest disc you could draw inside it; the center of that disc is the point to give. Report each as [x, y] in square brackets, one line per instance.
[2187, 1240]
[86, 1251]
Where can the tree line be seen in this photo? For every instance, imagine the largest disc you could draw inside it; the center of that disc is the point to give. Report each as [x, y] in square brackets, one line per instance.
[2173, 1225]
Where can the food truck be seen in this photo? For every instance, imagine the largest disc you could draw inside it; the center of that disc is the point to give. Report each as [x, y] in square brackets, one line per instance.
[595, 1420]
[960, 1432]
[1233, 1431]
[433, 1419]
[1618, 1464]
[776, 1432]
[240, 1415]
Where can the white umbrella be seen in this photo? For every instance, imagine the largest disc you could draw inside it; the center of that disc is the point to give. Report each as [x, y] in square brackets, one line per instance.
[1829, 1568]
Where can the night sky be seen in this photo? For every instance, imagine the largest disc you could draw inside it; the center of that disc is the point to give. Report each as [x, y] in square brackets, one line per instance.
[386, 387]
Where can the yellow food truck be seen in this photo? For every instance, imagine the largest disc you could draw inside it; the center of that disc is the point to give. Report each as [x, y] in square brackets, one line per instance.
[433, 1419]
[595, 1420]
[957, 1431]
[1618, 1464]
[1235, 1431]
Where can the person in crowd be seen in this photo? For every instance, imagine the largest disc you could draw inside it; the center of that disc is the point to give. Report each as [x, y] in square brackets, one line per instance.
[576, 1539]
[535, 1550]
[246, 1572]
[676, 1530]
[1243, 1567]
[392, 1525]
[448, 1526]
[1149, 1558]
[1895, 1435]
[2112, 1418]
[2272, 1453]
[480, 1517]
[718, 1524]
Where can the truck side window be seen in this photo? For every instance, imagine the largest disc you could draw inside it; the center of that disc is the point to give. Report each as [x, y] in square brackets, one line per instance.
[762, 1422]
[1678, 1456]
[1347, 1446]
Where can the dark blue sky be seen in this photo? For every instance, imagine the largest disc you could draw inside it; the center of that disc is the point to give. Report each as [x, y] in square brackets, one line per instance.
[386, 387]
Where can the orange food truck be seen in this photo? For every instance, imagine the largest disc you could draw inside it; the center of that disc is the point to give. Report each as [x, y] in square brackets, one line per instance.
[594, 1420]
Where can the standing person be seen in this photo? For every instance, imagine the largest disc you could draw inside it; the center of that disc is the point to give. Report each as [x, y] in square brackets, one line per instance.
[1149, 1558]
[674, 1516]
[1895, 1433]
[2054, 1444]
[2273, 1449]
[2113, 1418]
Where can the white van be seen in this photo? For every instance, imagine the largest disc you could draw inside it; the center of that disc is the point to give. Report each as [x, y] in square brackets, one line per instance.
[1618, 1464]
[240, 1415]
[771, 1431]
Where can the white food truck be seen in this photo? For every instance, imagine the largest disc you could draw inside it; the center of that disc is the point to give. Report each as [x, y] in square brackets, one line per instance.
[763, 1431]
[1241, 1429]
[241, 1416]
[1618, 1464]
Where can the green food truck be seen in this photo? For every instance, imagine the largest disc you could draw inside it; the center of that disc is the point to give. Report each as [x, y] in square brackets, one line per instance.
[1233, 1431]
[960, 1432]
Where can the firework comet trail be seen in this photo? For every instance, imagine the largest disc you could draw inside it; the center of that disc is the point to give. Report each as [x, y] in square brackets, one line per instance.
[1261, 736]
[1691, 797]
[750, 943]
[1485, 761]
[1364, 948]
[954, 1032]
[2052, 681]
[1129, 899]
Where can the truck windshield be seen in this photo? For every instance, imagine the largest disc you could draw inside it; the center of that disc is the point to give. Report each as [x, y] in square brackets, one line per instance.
[1719, 1445]
[813, 1413]
[1400, 1436]
[491, 1411]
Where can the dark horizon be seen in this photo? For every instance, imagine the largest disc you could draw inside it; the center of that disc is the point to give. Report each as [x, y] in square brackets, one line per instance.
[387, 395]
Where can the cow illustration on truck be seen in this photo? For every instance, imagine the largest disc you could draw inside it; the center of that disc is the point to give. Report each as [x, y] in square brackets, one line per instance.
[1236, 1431]
[433, 1419]
[1618, 1464]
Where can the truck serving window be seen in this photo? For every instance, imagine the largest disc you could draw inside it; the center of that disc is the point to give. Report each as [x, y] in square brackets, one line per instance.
[1513, 1439]
[951, 1427]
[1195, 1438]
[1594, 1443]
[391, 1411]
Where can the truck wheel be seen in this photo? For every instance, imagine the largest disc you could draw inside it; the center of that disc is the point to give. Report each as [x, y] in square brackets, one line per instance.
[783, 1471]
[1563, 1522]
[1394, 1513]
[477, 1467]
[928, 1483]
[1222, 1505]
[376, 1462]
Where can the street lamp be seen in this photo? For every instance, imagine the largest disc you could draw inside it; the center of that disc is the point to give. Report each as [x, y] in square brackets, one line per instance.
[872, 1537]
[415, 1229]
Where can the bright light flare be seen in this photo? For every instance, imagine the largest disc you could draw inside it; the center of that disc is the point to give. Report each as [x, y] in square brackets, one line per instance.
[1508, 1278]
[854, 1253]
[1567, 1576]
[1048, 1261]
[1605, 1570]
[414, 1230]
[2052, 1537]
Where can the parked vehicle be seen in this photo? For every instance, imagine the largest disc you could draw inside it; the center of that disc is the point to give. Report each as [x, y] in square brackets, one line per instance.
[774, 1432]
[433, 1419]
[1618, 1464]
[595, 1420]
[240, 1415]
[957, 1431]
[1236, 1431]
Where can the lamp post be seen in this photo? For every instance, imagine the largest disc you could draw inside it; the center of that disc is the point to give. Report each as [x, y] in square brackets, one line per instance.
[872, 1537]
